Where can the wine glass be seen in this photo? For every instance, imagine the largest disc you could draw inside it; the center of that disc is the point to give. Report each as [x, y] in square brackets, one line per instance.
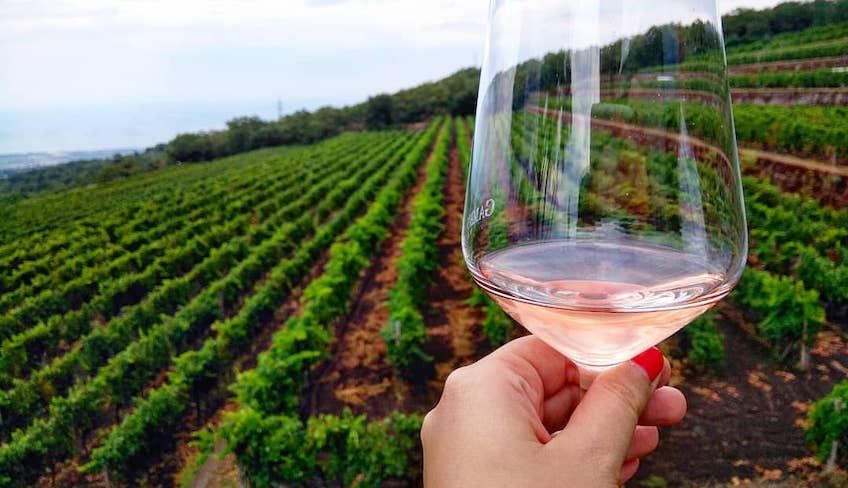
[604, 208]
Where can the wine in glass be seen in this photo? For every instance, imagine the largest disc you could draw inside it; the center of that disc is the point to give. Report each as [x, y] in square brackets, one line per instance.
[604, 208]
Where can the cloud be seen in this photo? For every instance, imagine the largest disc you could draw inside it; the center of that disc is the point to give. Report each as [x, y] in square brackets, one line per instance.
[316, 22]
[108, 51]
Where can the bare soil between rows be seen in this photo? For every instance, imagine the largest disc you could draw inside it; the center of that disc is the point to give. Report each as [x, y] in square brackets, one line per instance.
[745, 419]
[359, 377]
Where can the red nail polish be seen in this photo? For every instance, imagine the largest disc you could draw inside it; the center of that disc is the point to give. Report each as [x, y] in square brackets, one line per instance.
[651, 362]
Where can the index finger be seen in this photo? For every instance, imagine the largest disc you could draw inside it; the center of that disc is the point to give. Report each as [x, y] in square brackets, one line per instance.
[536, 362]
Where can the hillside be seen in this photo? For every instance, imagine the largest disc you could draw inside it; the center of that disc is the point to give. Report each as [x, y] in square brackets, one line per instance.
[286, 308]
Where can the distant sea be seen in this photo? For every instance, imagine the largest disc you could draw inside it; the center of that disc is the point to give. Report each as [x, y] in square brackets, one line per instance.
[22, 161]
[47, 136]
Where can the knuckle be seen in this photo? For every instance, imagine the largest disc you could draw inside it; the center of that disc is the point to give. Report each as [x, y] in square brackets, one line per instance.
[457, 381]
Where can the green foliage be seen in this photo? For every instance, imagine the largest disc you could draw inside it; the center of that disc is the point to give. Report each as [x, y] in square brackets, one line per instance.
[791, 79]
[705, 343]
[227, 271]
[836, 47]
[815, 130]
[204, 443]
[405, 333]
[828, 423]
[820, 131]
[800, 237]
[756, 27]
[654, 481]
[789, 314]
[497, 325]
[378, 112]
[463, 145]
[270, 393]
[279, 377]
[344, 450]
[85, 405]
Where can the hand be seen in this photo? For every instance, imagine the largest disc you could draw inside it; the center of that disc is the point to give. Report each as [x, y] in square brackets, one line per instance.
[519, 418]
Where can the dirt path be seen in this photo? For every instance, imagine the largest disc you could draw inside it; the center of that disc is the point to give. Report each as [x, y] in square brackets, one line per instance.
[824, 181]
[746, 420]
[787, 160]
[791, 65]
[451, 320]
[791, 96]
[770, 96]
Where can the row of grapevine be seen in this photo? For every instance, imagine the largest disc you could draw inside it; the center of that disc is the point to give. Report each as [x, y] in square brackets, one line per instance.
[785, 40]
[817, 131]
[225, 277]
[269, 395]
[795, 236]
[789, 316]
[791, 79]
[163, 407]
[709, 87]
[86, 405]
[702, 342]
[325, 450]
[827, 427]
[155, 219]
[174, 228]
[40, 225]
[836, 47]
[111, 243]
[817, 42]
[463, 143]
[405, 333]
[497, 325]
[43, 339]
[790, 236]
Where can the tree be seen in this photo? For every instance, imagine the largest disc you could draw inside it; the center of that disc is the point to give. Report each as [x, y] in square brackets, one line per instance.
[379, 112]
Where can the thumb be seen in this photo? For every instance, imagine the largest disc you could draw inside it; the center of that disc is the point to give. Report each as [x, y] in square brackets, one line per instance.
[607, 416]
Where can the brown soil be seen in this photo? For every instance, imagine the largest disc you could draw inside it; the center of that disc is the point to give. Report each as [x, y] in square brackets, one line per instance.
[358, 376]
[791, 65]
[826, 182]
[770, 96]
[451, 321]
[791, 96]
[745, 421]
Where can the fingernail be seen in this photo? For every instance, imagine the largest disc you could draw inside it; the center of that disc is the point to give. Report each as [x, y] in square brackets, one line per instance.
[651, 362]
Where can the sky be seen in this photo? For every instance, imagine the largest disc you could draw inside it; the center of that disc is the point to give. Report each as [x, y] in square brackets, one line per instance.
[96, 54]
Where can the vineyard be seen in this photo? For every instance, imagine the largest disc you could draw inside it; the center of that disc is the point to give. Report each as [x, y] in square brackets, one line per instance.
[287, 315]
